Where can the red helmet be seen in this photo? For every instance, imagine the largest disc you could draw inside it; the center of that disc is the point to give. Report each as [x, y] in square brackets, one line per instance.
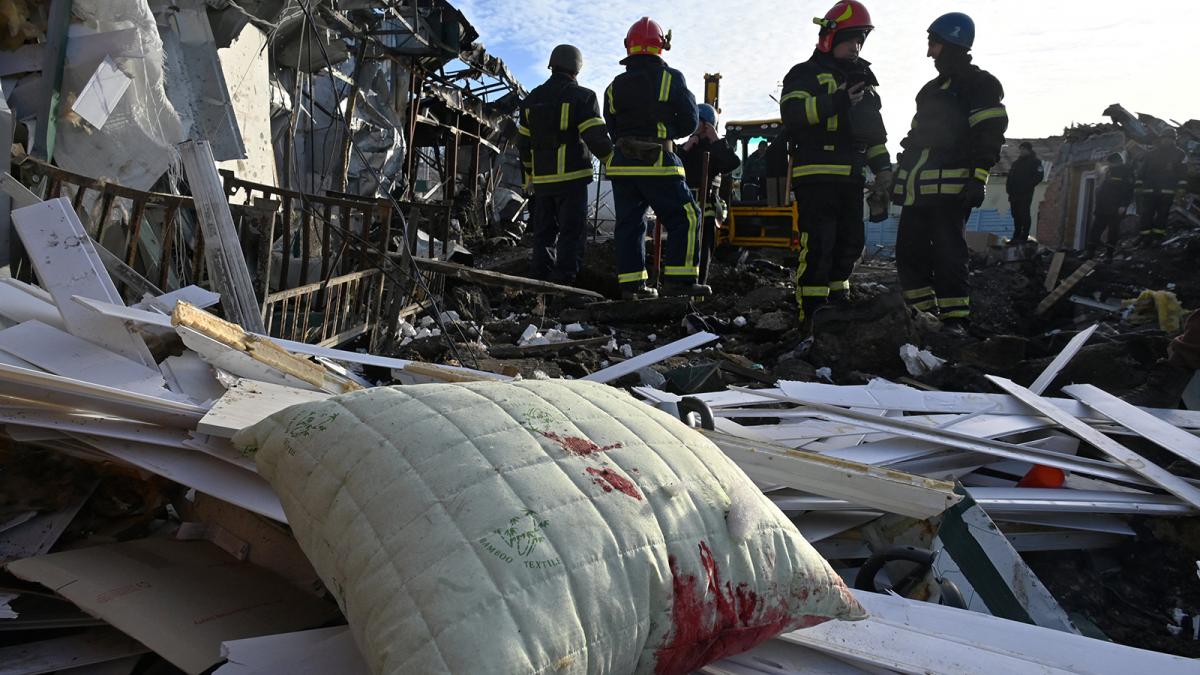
[646, 37]
[845, 15]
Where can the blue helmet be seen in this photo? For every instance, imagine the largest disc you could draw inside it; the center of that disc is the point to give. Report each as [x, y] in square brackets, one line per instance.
[954, 28]
[707, 113]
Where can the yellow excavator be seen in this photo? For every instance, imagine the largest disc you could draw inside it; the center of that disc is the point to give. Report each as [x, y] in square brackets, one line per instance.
[762, 213]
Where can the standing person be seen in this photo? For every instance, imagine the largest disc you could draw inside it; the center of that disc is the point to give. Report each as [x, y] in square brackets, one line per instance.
[754, 174]
[954, 141]
[831, 115]
[1113, 198]
[721, 160]
[1161, 175]
[559, 132]
[1023, 178]
[647, 107]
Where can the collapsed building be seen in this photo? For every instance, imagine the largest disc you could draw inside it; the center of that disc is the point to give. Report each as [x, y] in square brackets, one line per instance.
[275, 395]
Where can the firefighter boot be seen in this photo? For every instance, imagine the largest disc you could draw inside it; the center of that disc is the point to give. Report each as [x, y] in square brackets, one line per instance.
[688, 288]
[639, 293]
[955, 327]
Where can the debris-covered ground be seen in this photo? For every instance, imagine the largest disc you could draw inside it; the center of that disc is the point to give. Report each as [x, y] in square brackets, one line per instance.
[1129, 592]
[276, 395]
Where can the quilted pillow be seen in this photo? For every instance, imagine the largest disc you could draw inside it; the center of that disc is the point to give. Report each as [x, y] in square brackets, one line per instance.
[536, 527]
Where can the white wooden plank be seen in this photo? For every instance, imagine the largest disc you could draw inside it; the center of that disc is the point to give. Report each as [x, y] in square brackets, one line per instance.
[223, 252]
[1152, 472]
[888, 396]
[39, 534]
[1043, 382]
[67, 264]
[236, 362]
[10, 360]
[17, 306]
[64, 354]
[36, 291]
[311, 652]
[967, 441]
[22, 383]
[195, 470]
[94, 646]
[868, 486]
[651, 357]
[32, 435]
[1171, 438]
[65, 422]
[249, 402]
[909, 636]
[21, 197]
[1108, 524]
[776, 657]
[193, 295]
[714, 400]
[222, 449]
[1008, 500]
[193, 377]
[138, 316]
[823, 525]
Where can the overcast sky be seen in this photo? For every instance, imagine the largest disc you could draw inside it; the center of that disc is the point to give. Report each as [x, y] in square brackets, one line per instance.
[1060, 62]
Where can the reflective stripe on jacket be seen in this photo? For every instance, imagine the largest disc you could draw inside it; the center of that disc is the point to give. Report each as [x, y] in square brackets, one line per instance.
[560, 128]
[649, 102]
[956, 136]
[1163, 170]
[830, 140]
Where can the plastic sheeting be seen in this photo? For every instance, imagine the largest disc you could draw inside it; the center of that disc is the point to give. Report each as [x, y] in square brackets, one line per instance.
[137, 144]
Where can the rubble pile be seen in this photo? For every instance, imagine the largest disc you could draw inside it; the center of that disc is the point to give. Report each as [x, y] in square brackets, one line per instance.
[227, 227]
[108, 466]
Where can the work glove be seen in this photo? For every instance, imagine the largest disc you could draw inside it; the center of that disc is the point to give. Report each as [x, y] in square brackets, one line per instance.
[973, 193]
[884, 180]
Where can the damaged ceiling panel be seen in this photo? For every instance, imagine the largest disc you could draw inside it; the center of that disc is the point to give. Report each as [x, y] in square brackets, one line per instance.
[195, 80]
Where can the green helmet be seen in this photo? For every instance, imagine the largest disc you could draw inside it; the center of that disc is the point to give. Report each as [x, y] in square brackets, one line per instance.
[566, 58]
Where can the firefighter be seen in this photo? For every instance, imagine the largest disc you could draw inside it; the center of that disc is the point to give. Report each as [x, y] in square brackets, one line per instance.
[1113, 198]
[954, 141]
[647, 107]
[560, 129]
[831, 115]
[721, 160]
[1024, 176]
[1161, 175]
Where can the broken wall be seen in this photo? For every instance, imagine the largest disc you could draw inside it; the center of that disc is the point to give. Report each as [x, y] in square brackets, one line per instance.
[247, 71]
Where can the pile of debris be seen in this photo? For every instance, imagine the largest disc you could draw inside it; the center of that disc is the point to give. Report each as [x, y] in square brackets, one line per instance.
[986, 526]
[131, 524]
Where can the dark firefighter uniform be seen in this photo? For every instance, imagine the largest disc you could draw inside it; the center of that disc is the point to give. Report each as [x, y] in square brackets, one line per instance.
[1114, 194]
[954, 142]
[646, 107]
[560, 130]
[831, 141]
[1161, 174]
[1024, 176]
[722, 159]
